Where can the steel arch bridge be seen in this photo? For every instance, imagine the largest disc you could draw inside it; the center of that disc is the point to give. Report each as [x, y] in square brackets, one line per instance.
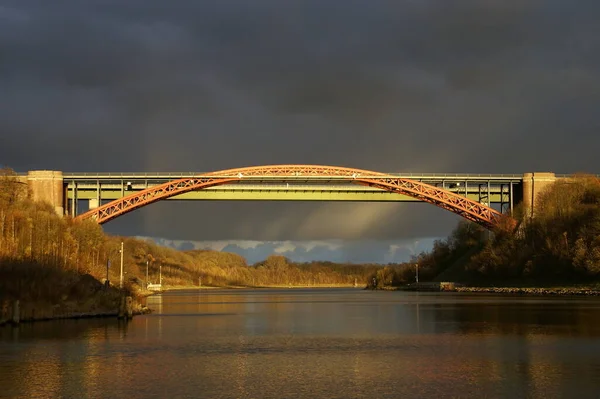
[465, 207]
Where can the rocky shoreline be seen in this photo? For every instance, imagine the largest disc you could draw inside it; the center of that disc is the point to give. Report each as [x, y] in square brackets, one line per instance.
[581, 290]
[562, 291]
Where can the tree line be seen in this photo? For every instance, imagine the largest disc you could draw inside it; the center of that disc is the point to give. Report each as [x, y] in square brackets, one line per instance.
[31, 233]
[558, 243]
[561, 242]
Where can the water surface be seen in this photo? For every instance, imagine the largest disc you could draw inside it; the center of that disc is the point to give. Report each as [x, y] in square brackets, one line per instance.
[314, 343]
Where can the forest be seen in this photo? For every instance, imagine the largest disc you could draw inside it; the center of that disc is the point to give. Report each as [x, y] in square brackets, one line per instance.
[558, 244]
[43, 255]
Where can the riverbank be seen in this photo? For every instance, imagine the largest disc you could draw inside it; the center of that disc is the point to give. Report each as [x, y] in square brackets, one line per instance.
[554, 291]
[574, 290]
[42, 293]
[27, 312]
[234, 287]
[33, 292]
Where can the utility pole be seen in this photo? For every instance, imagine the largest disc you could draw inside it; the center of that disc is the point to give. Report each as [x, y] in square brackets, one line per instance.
[417, 276]
[121, 280]
[160, 275]
[107, 283]
[147, 273]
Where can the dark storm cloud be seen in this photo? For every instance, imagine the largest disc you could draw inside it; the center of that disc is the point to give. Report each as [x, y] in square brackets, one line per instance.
[434, 86]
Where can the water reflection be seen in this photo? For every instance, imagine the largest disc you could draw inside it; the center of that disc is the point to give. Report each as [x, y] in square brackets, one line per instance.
[314, 343]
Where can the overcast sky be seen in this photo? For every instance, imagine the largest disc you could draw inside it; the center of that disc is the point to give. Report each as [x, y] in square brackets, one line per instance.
[482, 86]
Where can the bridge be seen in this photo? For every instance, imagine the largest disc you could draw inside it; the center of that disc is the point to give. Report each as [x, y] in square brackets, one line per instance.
[482, 198]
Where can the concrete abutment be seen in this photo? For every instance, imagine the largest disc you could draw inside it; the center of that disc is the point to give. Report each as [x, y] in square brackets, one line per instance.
[533, 185]
[47, 186]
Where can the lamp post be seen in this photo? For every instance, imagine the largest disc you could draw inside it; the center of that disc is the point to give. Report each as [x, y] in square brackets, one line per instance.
[121, 279]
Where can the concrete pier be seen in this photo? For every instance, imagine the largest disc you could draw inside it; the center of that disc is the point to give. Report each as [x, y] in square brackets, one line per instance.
[93, 203]
[47, 186]
[533, 185]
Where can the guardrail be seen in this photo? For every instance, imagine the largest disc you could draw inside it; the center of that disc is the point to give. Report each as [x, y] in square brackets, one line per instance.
[176, 175]
[193, 174]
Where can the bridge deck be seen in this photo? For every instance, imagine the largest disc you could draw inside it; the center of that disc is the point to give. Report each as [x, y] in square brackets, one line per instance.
[284, 192]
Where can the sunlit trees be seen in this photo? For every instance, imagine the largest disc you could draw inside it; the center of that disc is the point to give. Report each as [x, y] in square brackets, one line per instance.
[561, 241]
[33, 233]
[11, 188]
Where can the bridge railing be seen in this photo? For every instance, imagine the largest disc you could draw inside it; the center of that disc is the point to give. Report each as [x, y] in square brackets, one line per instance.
[173, 175]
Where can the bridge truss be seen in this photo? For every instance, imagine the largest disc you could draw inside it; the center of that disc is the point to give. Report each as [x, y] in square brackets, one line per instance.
[465, 207]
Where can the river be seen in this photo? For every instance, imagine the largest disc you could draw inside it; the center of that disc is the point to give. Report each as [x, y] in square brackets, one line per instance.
[314, 343]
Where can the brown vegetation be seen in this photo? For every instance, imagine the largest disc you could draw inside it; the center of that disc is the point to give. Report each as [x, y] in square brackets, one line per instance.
[43, 256]
[559, 244]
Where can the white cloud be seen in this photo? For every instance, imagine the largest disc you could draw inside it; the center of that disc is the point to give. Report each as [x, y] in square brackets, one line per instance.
[286, 246]
[330, 244]
[246, 244]
[303, 251]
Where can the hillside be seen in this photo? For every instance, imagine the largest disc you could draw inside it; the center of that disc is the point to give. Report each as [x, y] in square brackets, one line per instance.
[559, 245]
[45, 257]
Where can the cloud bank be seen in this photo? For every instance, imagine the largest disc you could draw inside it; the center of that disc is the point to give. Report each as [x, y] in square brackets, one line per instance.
[431, 86]
[342, 251]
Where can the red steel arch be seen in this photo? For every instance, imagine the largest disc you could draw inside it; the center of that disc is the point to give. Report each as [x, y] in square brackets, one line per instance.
[469, 209]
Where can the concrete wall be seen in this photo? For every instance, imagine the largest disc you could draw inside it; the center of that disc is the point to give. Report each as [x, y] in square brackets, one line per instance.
[533, 185]
[47, 186]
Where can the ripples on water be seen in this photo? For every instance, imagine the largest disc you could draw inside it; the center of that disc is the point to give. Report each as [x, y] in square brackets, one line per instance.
[318, 343]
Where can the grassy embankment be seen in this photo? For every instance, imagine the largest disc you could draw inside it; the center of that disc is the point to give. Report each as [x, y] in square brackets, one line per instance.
[555, 252]
[56, 267]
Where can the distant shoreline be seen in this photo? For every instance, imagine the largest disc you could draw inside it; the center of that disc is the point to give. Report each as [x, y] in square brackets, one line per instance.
[539, 291]
[587, 291]
[237, 287]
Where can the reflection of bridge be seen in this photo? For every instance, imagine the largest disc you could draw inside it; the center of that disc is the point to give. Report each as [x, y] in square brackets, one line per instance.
[481, 198]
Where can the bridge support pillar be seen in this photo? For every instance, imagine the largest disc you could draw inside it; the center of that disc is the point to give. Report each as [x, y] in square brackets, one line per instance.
[533, 185]
[93, 203]
[47, 186]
